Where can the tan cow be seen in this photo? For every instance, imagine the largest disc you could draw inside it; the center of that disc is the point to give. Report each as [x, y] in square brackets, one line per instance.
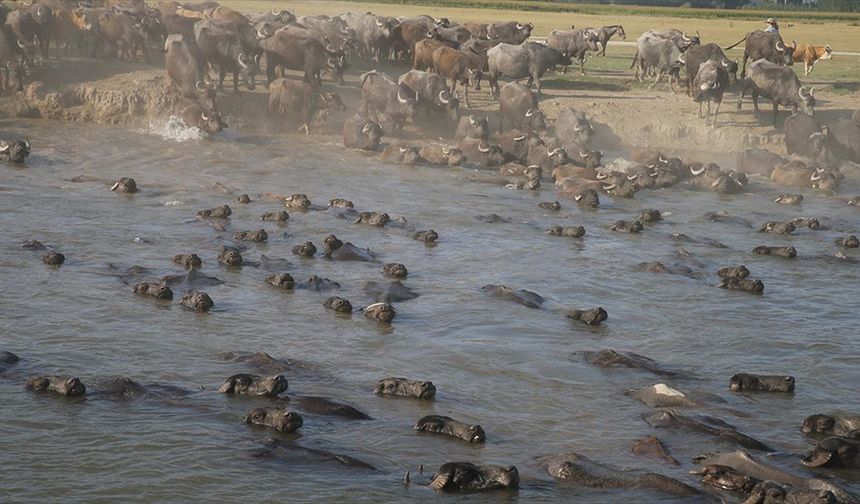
[810, 54]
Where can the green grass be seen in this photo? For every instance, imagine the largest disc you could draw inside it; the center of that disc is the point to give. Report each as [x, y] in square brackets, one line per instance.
[634, 10]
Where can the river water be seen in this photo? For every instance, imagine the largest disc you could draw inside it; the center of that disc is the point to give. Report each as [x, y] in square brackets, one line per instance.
[512, 369]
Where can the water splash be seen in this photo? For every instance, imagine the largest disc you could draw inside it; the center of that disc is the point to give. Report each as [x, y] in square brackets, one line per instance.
[175, 129]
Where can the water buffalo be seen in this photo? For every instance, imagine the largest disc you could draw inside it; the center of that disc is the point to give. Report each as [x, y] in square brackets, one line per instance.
[223, 48]
[745, 382]
[422, 55]
[476, 50]
[845, 136]
[359, 132]
[291, 99]
[661, 54]
[400, 154]
[11, 71]
[120, 30]
[805, 137]
[479, 31]
[574, 44]
[44, 18]
[510, 32]
[698, 54]
[604, 33]
[62, 385]
[573, 125]
[519, 105]
[759, 44]
[15, 151]
[710, 83]
[186, 69]
[401, 387]
[442, 155]
[780, 85]
[473, 126]
[373, 33]
[447, 425]
[205, 119]
[456, 67]
[22, 34]
[388, 102]
[480, 152]
[431, 91]
[519, 61]
[306, 55]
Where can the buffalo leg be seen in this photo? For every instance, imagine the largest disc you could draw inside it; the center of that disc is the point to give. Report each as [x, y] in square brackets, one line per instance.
[221, 74]
[658, 79]
[755, 101]
[742, 93]
[582, 64]
[716, 112]
[236, 81]
[536, 79]
[775, 110]
[700, 111]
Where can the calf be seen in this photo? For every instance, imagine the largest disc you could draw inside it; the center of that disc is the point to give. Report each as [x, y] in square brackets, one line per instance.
[456, 67]
[206, 120]
[810, 55]
[473, 126]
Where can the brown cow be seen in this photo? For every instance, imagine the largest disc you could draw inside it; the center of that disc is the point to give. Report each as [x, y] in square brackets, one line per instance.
[456, 67]
[810, 55]
[422, 54]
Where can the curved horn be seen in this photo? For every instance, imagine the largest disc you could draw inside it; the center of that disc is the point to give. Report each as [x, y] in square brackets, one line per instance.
[800, 91]
[715, 182]
[725, 63]
[379, 23]
[682, 59]
[260, 34]
[780, 46]
[609, 187]
[20, 44]
[583, 154]
[519, 138]
[698, 172]
[530, 112]
[577, 128]
[240, 58]
[632, 178]
[329, 48]
[519, 26]
[442, 97]
[332, 63]
[4, 147]
[430, 34]
[366, 129]
[400, 98]
[483, 147]
[685, 37]
[403, 149]
[446, 150]
[662, 159]
[27, 144]
[577, 197]
[204, 116]
[815, 176]
[812, 91]
[553, 152]
[601, 176]
[201, 86]
[275, 12]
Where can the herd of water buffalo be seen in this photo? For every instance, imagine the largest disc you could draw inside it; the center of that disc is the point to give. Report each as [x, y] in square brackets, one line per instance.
[198, 37]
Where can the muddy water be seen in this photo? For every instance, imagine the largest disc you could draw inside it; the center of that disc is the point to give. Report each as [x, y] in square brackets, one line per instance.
[507, 367]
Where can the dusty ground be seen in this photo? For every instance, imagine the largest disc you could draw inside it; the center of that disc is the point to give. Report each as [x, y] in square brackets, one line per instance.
[80, 89]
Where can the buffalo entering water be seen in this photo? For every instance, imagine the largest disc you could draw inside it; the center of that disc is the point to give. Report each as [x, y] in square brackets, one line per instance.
[520, 373]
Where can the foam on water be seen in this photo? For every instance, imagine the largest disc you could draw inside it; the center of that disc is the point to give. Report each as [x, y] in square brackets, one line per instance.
[175, 129]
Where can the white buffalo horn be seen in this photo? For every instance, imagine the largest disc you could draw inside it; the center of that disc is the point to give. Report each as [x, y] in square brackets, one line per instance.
[519, 26]
[403, 149]
[632, 178]
[815, 176]
[577, 197]
[27, 144]
[472, 120]
[714, 183]
[601, 176]
[484, 148]
[697, 172]
[400, 98]
[366, 128]
[20, 44]
[242, 63]
[378, 23]
[553, 152]
[682, 59]
[4, 147]
[662, 159]
[442, 98]
[812, 91]
[583, 154]
[332, 63]
[519, 138]
[609, 187]
[800, 91]
[201, 86]
[780, 46]
[530, 112]
[446, 150]
[204, 116]
[577, 128]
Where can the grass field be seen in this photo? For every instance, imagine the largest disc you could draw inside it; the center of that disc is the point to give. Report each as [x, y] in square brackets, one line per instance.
[814, 28]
